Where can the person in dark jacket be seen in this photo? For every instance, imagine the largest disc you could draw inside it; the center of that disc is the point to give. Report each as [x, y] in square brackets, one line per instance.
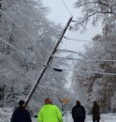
[21, 114]
[96, 112]
[78, 112]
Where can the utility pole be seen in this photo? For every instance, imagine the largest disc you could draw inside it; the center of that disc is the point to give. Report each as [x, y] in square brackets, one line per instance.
[48, 62]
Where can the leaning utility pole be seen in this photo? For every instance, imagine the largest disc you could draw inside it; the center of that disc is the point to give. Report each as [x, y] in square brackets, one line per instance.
[48, 62]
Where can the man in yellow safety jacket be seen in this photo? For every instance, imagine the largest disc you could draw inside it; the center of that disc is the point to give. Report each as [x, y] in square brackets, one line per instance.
[49, 112]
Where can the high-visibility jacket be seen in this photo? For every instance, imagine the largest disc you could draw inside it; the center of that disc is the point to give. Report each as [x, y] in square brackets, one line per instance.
[50, 113]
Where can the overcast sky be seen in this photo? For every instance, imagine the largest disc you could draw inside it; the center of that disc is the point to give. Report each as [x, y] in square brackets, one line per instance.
[59, 14]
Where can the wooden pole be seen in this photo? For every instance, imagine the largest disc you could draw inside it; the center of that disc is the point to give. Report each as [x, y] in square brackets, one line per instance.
[48, 62]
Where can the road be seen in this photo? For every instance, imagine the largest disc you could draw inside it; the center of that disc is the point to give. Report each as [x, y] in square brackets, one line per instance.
[104, 118]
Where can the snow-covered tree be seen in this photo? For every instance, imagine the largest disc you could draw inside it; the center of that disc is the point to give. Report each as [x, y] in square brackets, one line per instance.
[27, 38]
[96, 71]
[95, 10]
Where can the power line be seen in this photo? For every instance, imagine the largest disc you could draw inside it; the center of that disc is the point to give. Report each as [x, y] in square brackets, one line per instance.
[102, 73]
[65, 58]
[30, 37]
[80, 40]
[92, 60]
[90, 72]
[70, 51]
[77, 40]
[66, 7]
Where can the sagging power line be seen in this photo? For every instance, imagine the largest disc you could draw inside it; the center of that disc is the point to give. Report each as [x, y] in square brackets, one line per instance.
[70, 51]
[92, 60]
[101, 73]
[83, 41]
[89, 72]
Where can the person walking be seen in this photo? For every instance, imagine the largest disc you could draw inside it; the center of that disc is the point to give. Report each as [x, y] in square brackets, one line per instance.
[96, 112]
[21, 114]
[78, 112]
[49, 112]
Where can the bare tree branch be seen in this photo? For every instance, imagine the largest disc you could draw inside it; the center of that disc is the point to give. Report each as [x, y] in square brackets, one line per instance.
[97, 12]
[99, 3]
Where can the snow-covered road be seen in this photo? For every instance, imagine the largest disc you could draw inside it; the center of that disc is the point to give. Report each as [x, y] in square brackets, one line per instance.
[104, 118]
[5, 115]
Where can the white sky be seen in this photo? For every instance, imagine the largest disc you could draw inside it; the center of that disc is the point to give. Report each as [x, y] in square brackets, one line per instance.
[59, 14]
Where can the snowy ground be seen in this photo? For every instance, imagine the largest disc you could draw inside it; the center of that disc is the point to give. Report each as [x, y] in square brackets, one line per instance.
[104, 118]
[5, 115]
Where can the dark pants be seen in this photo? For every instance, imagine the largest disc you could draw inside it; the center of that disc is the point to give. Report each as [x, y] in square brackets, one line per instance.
[79, 120]
[96, 120]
